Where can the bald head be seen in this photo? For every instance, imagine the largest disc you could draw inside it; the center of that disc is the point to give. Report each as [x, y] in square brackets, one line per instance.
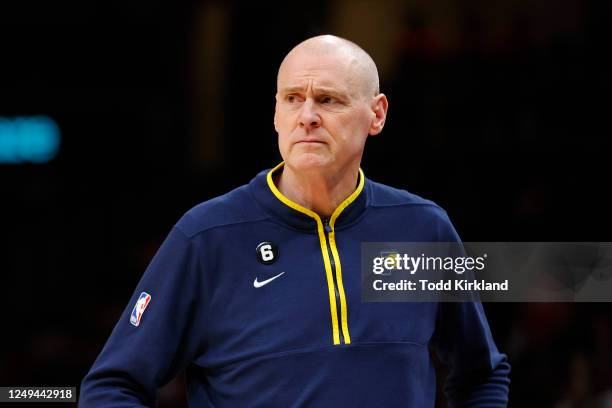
[360, 64]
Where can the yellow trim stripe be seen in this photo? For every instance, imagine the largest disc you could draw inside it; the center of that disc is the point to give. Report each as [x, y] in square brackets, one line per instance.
[348, 200]
[330, 283]
[336, 255]
[284, 199]
[334, 251]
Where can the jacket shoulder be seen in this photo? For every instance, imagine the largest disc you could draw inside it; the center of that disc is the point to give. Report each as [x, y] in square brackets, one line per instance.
[411, 206]
[234, 207]
[387, 196]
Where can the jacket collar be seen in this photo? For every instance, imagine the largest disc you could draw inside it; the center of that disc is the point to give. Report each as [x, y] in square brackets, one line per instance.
[283, 209]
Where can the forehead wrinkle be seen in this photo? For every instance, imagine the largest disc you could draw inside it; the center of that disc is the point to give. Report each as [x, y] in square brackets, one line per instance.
[311, 78]
[315, 79]
[315, 89]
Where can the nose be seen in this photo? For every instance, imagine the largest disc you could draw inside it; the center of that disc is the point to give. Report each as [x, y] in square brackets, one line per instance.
[309, 117]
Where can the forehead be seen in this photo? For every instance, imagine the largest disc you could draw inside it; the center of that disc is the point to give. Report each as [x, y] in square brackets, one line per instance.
[323, 70]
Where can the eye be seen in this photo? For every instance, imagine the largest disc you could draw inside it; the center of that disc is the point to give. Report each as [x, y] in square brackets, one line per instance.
[327, 100]
[292, 98]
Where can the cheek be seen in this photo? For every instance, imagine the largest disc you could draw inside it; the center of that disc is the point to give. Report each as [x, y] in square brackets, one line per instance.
[278, 120]
[282, 122]
[283, 141]
[352, 127]
[353, 133]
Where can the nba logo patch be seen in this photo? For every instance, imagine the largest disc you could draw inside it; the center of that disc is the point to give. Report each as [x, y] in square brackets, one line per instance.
[139, 308]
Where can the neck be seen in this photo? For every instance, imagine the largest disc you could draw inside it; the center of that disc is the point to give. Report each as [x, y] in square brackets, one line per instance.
[317, 191]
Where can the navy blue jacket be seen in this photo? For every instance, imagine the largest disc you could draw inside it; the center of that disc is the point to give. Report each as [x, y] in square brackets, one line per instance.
[304, 338]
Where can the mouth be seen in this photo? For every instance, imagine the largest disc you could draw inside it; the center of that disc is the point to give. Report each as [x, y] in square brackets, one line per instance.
[310, 141]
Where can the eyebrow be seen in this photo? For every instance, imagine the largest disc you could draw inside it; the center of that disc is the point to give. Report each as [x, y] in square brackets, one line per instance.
[320, 90]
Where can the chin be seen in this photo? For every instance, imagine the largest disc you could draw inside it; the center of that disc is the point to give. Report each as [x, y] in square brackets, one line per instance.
[308, 162]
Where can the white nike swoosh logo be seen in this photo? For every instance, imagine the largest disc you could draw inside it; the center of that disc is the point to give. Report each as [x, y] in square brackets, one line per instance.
[260, 284]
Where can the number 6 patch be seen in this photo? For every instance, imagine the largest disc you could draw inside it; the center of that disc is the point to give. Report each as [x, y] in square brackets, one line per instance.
[267, 253]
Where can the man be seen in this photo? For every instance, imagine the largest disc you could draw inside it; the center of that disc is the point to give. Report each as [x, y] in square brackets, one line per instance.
[257, 293]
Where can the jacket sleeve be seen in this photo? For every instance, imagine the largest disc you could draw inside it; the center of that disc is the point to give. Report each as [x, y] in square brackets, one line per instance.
[137, 359]
[478, 373]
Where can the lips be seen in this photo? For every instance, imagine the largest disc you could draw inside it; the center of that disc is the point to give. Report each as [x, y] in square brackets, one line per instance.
[310, 140]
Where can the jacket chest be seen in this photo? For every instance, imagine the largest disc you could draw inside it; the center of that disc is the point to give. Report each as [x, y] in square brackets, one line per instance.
[285, 291]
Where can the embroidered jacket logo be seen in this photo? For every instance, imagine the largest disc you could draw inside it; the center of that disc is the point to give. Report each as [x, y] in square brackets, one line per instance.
[258, 284]
[139, 308]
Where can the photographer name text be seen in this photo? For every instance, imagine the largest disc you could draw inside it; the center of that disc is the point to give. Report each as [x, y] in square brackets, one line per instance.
[462, 285]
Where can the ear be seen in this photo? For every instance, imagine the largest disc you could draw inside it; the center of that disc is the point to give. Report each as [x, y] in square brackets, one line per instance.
[379, 106]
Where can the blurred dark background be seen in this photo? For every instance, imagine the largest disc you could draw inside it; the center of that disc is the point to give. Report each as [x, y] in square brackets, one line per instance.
[499, 112]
